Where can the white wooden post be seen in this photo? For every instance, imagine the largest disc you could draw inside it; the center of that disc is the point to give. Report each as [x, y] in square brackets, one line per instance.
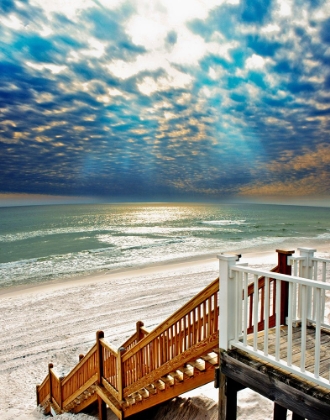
[307, 273]
[308, 254]
[227, 301]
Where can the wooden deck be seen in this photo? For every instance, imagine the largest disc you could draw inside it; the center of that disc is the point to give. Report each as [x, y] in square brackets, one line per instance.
[288, 390]
[296, 347]
[277, 344]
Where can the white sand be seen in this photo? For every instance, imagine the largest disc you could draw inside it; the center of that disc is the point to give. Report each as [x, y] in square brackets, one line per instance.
[56, 322]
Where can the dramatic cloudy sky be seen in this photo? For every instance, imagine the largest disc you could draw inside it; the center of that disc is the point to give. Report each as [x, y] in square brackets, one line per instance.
[165, 99]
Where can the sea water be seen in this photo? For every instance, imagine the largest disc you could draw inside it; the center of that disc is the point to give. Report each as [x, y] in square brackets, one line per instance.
[43, 243]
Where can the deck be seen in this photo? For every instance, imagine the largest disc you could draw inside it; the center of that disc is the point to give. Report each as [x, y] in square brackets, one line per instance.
[289, 391]
[295, 352]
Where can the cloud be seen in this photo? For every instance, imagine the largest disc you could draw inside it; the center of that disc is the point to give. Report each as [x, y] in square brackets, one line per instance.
[294, 175]
[201, 99]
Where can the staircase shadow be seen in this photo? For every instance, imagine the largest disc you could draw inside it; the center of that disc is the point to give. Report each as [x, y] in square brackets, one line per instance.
[179, 408]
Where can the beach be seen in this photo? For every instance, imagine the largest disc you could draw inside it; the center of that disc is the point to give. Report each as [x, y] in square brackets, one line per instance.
[57, 321]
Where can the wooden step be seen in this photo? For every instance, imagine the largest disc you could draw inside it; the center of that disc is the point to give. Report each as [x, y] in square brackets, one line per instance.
[85, 399]
[160, 385]
[188, 370]
[177, 375]
[161, 391]
[168, 380]
[151, 389]
[144, 393]
[54, 411]
[137, 396]
[211, 358]
[199, 364]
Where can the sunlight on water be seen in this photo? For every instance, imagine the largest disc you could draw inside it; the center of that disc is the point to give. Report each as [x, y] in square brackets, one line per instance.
[49, 242]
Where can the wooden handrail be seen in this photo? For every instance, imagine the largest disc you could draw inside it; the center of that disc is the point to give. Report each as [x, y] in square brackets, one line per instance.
[194, 302]
[193, 326]
[140, 333]
[80, 364]
[76, 379]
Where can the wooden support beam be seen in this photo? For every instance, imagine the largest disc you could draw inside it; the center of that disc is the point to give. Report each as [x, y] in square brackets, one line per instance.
[220, 381]
[295, 400]
[231, 401]
[297, 417]
[231, 406]
[102, 405]
[279, 412]
[102, 408]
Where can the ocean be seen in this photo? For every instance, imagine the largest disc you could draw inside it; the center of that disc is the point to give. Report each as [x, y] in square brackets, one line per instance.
[45, 243]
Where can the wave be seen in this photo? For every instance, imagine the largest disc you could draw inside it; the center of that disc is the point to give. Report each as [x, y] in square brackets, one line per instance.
[325, 235]
[224, 222]
[13, 237]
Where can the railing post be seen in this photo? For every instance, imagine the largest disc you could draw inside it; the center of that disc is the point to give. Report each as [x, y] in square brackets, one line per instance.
[284, 268]
[307, 273]
[120, 372]
[139, 336]
[307, 265]
[227, 300]
[60, 392]
[37, 390]
[101, 403]
[50, 367]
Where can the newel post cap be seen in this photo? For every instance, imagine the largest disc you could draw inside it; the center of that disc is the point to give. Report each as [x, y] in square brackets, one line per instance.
[228, 257]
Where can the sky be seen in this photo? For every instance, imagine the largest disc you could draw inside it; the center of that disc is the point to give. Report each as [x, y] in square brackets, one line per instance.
[192, 100]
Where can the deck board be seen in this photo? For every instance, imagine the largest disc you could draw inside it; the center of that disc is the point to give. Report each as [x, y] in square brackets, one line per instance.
[296, 347]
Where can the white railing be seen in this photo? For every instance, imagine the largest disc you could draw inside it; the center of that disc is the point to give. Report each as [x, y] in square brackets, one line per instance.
[304, 302]
[308, 266]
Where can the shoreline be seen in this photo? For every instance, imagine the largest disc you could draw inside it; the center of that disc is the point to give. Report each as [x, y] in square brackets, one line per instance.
[208, 262]
[167, 267]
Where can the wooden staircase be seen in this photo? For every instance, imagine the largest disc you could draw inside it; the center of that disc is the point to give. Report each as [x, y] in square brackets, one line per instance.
[149, 368]
[179, 355]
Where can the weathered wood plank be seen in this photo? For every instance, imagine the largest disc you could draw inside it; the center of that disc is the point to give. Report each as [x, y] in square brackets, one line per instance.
[296, 347]
[276, 390]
